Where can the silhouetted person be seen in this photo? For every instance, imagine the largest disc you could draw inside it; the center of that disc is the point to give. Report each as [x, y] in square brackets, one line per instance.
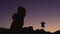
[42, 24]
[18, 19]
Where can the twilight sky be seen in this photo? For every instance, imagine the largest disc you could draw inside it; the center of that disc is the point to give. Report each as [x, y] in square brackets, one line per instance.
[36, 11]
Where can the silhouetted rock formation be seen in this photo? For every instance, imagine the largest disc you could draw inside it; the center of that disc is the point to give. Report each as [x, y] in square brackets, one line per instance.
[25, 30]
[18, 19]
[42, 24]
[42, 31]
[57, 32]
[28, 30]
[3, 30]
[18, 22]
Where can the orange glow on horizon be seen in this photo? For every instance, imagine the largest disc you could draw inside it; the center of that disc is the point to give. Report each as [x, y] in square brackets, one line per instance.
[49, 29]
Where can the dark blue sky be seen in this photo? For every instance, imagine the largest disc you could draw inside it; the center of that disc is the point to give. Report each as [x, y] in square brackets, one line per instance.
[36, 11]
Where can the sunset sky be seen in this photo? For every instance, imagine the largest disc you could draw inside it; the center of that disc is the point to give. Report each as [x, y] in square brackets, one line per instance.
[36, 11]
